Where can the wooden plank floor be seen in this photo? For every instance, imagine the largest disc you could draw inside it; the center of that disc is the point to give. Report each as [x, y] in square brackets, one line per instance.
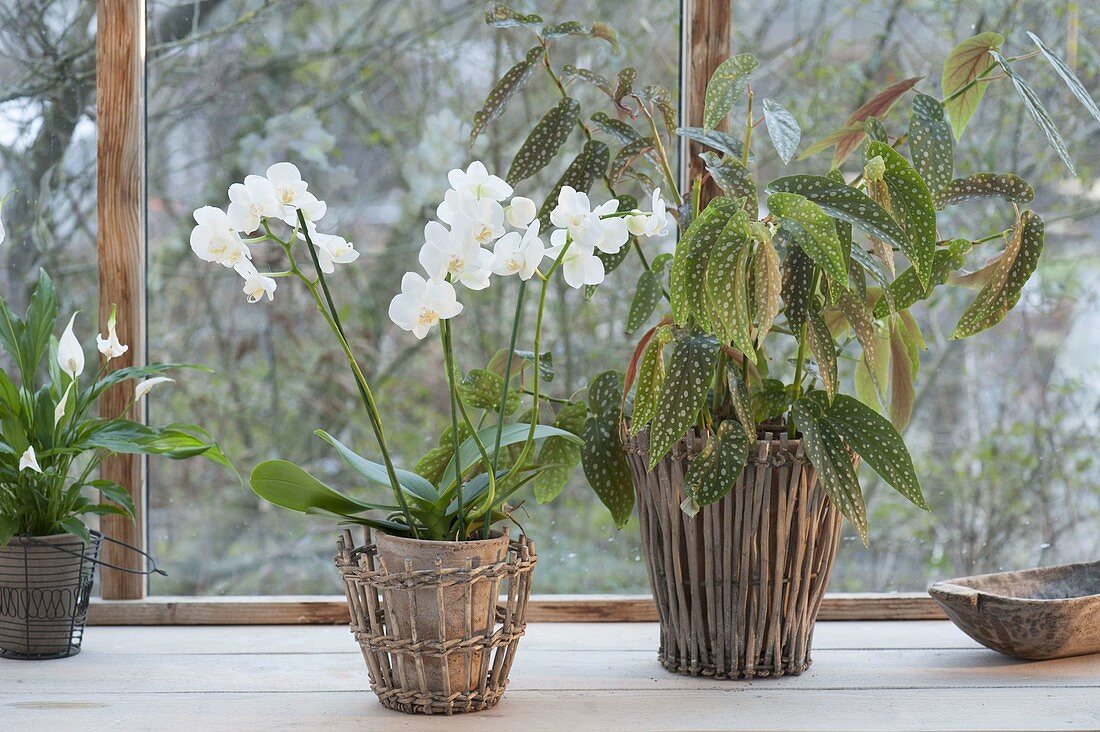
[568, 676]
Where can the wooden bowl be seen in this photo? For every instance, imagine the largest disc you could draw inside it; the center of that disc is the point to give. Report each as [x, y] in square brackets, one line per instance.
[1037, 614]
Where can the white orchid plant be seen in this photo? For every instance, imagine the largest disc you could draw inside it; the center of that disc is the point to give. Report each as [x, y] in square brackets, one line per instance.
[52, 442]
[469, 482]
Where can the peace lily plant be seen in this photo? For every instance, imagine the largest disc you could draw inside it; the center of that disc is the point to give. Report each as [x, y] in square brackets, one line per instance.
[482, 232]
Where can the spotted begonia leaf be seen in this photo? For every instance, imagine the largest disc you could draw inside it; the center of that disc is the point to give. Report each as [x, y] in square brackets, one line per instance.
[618, 129]
[723, 142]
[605, 467]
[624, 83]
[855, 312]
[904, 367]
[1075, 86]
[770, 400]
[692, 251]
[605, 393]
[661, 98]
[930, 142]
[432, 463]
[975, 187]
[647, 296]
[908, 289]
[742, 404]
[558, 456]
[687, 380]
[824, 350]
[589, 165]
[712, 474]
[909, 193]
[481, 389]
[569, 72]
[966, 62]
[798, 273]
[726, 292]
[576, 28]
[875, 130]
[1037, 111]
[628, 154]
[545, 140]
[512, 81]
[499, 15]
[651, 378]
[726, 84]
[1000, 295]
[767, 281]
[733, 178]
[783, 129]
[813, 230]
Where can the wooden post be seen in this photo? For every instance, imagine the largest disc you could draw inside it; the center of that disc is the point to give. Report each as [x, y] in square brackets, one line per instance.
[120, 119]
[706, 44]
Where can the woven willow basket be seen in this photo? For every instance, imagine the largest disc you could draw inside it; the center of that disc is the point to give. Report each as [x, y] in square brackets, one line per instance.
[428, 648]
[738, 586]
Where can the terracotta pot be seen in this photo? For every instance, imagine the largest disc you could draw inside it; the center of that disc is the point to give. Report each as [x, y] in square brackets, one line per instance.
[415, 613]
[45, 584]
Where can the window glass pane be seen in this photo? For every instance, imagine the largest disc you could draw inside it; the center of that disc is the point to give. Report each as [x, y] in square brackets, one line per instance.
[373, 101]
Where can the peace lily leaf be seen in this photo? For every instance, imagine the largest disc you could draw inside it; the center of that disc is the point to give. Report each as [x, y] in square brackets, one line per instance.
[569, 72]
[798, 273]
[628, 154]
[499, 96]
[1074, 84]
[624, 84]
[1012, 273]
[726, 84]
[783, 129]
[908, 289]
[684, 393]
[651, 378]
[715, 470]
[768, 282]
[848, 204]
[723, 142]
[874, 439]
[1012, 188]
[733, 178]
[560, 456]
[966, 62]
[618, 129]
[814, 231]
[770, 400]
[414, 484]
[288, 486]
[646, 298]
[726, 282]
[499, 15]
[824, 350]
[829, 455]
[930, 142]
[589, 165]
[481, 389]
[545, 140]
[1036, 111]
[692, 251]
[909, 193]
[851, 135]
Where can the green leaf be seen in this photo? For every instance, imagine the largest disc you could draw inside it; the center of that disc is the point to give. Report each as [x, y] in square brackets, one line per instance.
[606, 468]
[966, 62]
[661, 98]
[907, 289]
[978, 186]
[770, 401]
[432, 463]
[723, 142]
[516, 432]
[726, 84]
[9, 526]
[589, 165]
[813, 230]
[875, 130]
[413, 484]
[909, 193]
[824, 350]
[77, 528]
[618, 129]
[651, 378]
[734, 179]
[41, 317]
[849, 137]
[829, 455]
[503, 91]
[628, 154]
[690, 369]
[1015, 267]
[855, 312]
[688, 277]
[499, 15]
[798, 274]
[930, 142]
[481, 389]
[558, 457]
[726, 280]
[289, 486]
[114, 492]
[520, 361]
[1038, 113]
[712, 474]
[783, 129]
[768, 282]
[647, 296]
[1075, 86]
[874, 439]
[545, 140]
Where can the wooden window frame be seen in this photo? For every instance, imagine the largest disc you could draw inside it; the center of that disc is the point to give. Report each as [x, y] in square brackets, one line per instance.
[120, 106]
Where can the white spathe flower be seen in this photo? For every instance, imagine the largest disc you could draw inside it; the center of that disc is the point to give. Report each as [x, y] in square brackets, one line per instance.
[482, 219]
[580, 265]
[215, 240]
[423, 303]
[146, 386]
[520, 212]
[110, 346]
[454, 252]
[256, 285]
[654, 223]
[519, 254]
[28, 460]
[252, 201]
[3, 234]
[331, 249]
[477, 181]
[70, 355]
[59, 410]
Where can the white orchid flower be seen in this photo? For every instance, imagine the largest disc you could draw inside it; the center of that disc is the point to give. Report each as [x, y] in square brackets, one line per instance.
[313, 210]
[483, 219]
[70, 355]
[256, 285]
[587, 227]
[580, 265]
[146, 386]
[28, 460]
[520, 212]
[291, 193]
[654, 223]
[573, 212]
[423, 303]
[477, 181]
[519, 254]
[606, 234]
[215, 240]
[454, 252]
[252, 201]
[331, 249]
[110, 346]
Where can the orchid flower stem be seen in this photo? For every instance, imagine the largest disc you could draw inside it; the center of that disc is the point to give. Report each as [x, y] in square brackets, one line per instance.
[332, 316]
[448, 359]
[662, 155]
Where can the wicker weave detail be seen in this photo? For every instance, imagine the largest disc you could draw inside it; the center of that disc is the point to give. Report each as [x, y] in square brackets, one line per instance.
[437, 675]
[739, 585]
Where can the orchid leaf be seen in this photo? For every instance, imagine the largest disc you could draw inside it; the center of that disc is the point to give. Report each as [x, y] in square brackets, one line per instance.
[503, 91]
[545, 140]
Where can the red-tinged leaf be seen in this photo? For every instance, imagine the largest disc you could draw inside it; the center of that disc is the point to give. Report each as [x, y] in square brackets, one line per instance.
[876, 106]
[966, 62]
[904, 364]
[570, 72]
[824, 350]
[503, 91]
[628, 154]
[768, 282]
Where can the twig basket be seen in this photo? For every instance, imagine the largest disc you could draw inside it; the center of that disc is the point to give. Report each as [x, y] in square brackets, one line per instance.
[45, 585]
[429, 649]
[739, 585]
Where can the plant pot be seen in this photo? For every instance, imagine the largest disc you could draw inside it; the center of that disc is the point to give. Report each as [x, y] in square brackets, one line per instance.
[435, 632]
[738, 586]
[45, 585]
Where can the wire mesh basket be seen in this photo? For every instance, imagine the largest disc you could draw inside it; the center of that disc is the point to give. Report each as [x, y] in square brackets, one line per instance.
[45, 586]
[441, 639]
